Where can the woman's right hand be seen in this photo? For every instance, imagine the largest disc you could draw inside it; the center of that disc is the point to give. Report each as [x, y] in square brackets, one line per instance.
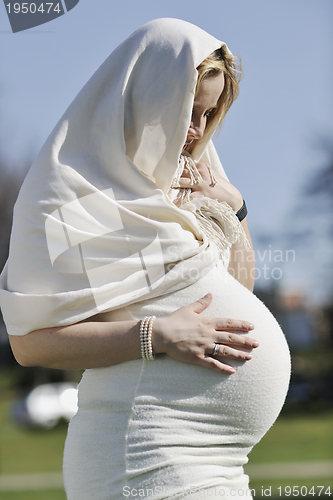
[190, 337]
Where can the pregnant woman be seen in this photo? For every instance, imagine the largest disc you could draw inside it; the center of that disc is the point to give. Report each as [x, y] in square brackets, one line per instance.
[131, 259]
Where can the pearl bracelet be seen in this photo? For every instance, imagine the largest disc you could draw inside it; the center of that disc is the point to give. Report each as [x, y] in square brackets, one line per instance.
[146, 331]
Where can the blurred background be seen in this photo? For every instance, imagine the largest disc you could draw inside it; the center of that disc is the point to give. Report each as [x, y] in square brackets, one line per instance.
[276, 146]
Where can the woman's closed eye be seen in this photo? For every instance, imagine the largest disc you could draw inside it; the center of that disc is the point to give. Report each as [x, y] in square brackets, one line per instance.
[208, 113]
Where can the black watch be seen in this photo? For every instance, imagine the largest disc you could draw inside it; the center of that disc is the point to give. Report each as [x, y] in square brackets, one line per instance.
[242, 212]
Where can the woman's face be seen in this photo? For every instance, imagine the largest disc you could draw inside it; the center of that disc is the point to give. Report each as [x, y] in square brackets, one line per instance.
[204, 103]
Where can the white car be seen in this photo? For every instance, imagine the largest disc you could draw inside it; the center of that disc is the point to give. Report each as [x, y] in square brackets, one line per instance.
[47, 404]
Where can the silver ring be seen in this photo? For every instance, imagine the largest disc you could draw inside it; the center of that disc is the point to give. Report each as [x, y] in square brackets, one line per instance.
[216, 349]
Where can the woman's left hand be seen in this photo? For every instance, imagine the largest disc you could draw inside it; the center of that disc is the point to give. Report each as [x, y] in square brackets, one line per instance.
[212, 186]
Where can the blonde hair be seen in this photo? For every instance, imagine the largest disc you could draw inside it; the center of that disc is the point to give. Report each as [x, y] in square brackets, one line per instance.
[220, 61]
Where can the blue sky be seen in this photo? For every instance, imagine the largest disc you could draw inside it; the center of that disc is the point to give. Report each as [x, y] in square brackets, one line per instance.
[267, 144]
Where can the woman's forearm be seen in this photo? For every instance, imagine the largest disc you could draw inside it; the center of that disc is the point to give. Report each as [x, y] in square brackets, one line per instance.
[242, 262]
[184, 335]
[79, 346]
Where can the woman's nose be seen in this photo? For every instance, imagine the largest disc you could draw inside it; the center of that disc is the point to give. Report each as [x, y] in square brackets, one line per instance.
[197, 127]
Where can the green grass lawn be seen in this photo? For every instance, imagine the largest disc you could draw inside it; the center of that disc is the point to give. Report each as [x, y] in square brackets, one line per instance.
[34, 495]
[296, 438]
[23, 451]
[307, 488]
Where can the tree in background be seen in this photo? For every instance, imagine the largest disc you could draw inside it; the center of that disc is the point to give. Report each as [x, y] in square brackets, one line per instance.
[320, 189]
[310, 229]
[11, 181]
[322, 182]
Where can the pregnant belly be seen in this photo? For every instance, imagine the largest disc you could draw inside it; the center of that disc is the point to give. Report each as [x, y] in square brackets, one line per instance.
[176, 424]
[245, 404]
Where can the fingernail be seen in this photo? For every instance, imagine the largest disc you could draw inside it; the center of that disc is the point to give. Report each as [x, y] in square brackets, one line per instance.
[208, 296]
[248, 356]
[251, 326]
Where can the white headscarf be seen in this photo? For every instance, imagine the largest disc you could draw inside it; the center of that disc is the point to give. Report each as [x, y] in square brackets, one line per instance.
[93, 228]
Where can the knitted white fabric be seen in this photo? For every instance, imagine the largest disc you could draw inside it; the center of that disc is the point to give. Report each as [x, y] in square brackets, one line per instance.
[170, 428]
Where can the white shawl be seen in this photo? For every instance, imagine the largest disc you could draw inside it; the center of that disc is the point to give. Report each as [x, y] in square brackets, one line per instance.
[94, 228]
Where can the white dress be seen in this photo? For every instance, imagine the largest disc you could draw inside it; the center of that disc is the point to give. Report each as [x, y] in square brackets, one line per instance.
[167, 429]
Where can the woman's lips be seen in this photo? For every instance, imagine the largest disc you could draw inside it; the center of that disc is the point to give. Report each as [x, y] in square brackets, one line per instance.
[187, 143]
